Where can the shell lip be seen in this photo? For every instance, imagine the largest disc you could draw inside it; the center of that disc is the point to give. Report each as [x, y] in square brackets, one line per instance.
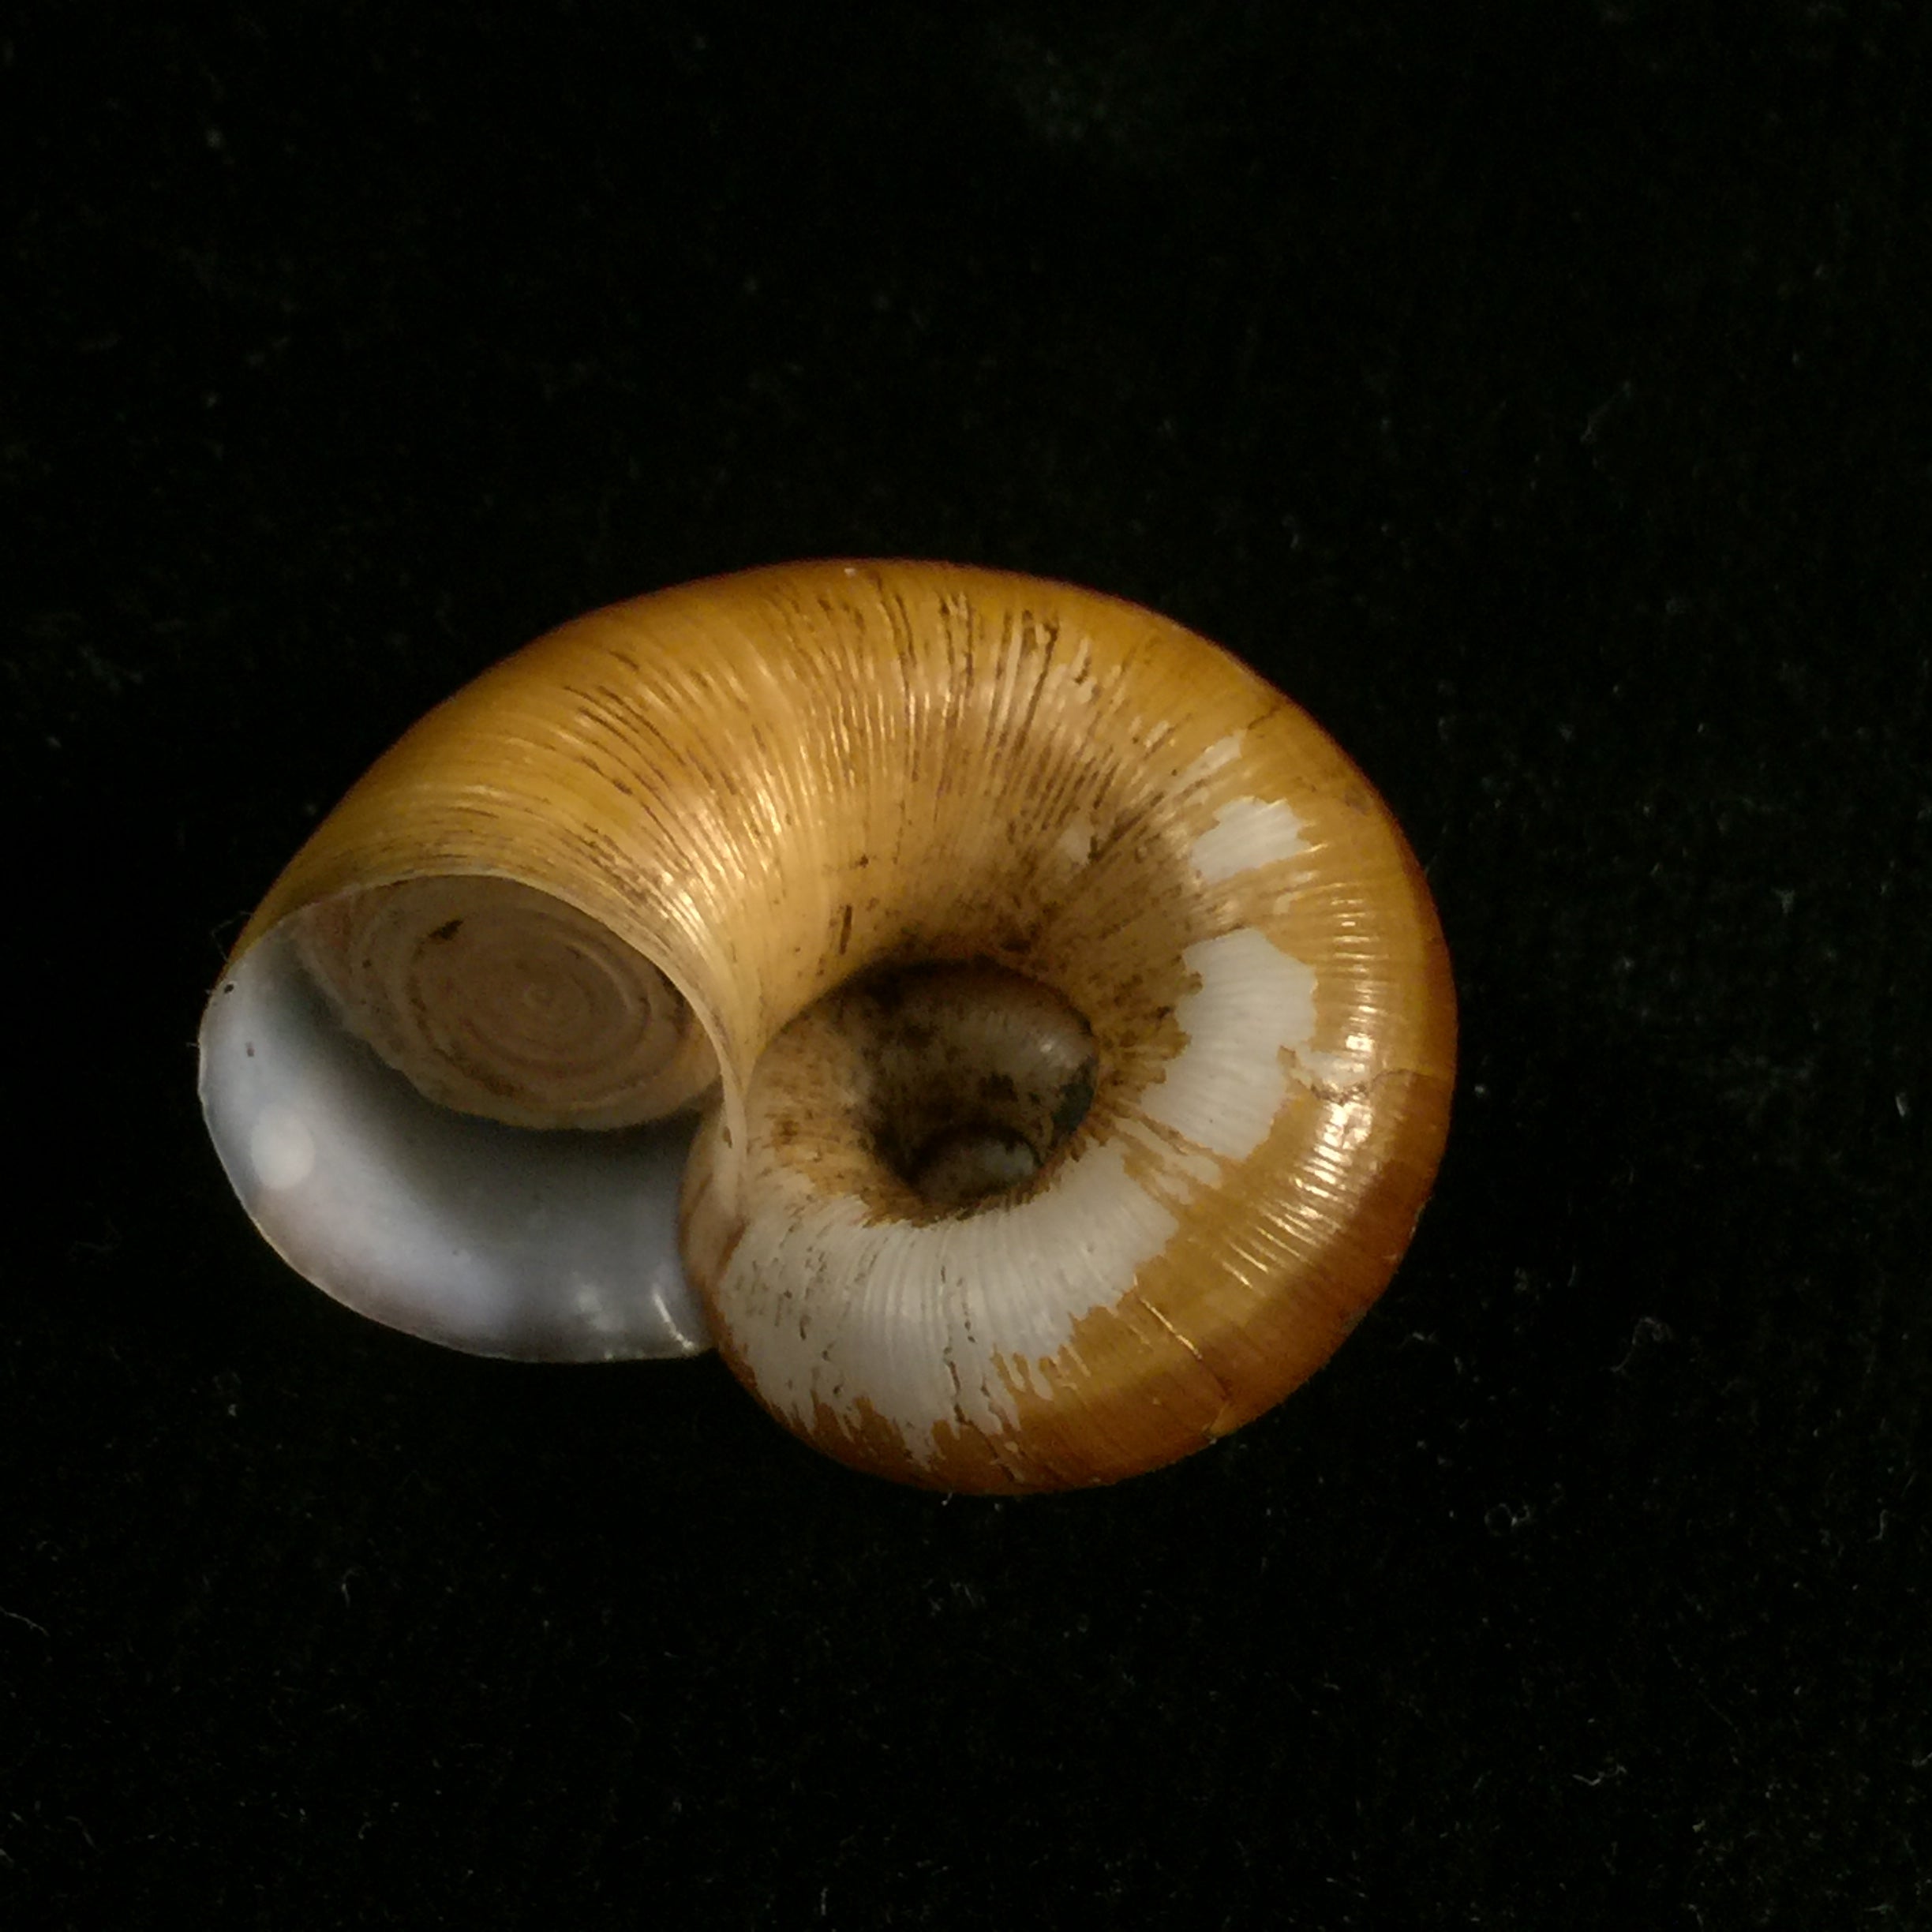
[300, 888]
[515, 1242]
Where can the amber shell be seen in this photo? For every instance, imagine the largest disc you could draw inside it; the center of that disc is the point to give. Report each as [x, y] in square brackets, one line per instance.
[779, 784]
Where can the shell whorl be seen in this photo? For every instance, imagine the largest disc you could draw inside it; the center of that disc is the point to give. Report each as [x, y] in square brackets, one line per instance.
[500, 1000]
[1082, 1031]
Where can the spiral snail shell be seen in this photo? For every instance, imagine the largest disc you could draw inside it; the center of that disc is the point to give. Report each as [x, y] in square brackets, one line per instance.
[1014, 1032]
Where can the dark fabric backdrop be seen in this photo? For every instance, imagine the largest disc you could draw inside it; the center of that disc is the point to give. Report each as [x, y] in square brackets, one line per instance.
[1539, 393]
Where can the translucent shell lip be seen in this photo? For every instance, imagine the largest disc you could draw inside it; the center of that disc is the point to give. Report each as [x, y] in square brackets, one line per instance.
[499, 1241]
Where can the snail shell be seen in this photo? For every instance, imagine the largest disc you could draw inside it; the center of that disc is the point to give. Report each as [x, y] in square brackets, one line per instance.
[1012, 1030]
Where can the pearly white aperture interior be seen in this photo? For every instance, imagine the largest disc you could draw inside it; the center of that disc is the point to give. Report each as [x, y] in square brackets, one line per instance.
[551, 1245]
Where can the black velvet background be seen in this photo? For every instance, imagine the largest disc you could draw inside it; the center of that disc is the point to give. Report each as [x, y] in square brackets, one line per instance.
[1538, 393]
